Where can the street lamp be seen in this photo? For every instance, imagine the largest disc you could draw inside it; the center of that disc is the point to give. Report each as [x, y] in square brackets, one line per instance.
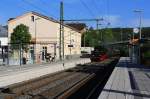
[140, 23]
[101, 33]
[71, 45]
[35, 37]
[36, 28]
[85, 36]
[140, 32]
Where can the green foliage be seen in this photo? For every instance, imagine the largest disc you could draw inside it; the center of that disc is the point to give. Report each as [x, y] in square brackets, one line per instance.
[90, 38]
[20, 35]
[147, 54]
[108, 36]
[94, 38]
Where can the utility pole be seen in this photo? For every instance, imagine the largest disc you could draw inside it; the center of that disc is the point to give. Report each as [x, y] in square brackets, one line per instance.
[20, 48]
[97, 27]
[70, 42]
[61, 45]
[121, 34]
[140, 12]
[101, 34]
[35, 46]
[84, 40]
[97, 24]
[61, 30]
[140, 23]
[85, 36]
[60, 57]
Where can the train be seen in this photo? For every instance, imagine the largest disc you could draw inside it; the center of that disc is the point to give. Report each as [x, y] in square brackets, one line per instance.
[98, 54]
[101, 53]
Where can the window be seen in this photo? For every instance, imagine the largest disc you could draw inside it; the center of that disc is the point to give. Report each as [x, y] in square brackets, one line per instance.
[32, 18]
[44, 52]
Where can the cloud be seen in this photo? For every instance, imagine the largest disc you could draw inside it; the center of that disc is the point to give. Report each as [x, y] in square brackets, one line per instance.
[114, 20]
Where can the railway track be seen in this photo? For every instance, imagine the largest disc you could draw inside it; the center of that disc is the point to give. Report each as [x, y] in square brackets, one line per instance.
[60, 85]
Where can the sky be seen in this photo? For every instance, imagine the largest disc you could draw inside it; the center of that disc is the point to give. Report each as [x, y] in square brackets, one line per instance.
[119, 13]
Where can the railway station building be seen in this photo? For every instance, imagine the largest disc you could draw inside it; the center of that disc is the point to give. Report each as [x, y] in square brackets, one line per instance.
[45, 33]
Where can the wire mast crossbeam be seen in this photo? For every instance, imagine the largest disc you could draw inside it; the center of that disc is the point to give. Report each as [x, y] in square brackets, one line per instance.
[85, 19]
[97, 21]
[62, 20]
[82, 20]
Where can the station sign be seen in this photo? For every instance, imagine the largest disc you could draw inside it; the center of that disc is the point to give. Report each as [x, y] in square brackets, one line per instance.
[70, 45]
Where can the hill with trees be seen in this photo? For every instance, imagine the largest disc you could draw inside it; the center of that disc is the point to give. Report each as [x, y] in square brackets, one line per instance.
[92, 37]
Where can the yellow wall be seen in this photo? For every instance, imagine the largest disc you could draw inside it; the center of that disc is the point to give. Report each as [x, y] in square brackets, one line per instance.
[47, 31]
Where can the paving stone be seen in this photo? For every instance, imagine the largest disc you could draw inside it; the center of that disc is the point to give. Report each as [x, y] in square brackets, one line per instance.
[119, 84]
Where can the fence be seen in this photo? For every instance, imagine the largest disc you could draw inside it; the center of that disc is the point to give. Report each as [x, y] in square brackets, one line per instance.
[27, 53]
[3, 55]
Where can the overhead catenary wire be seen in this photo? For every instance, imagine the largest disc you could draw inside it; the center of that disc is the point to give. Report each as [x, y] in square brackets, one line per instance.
[38, 8]
[46, 4]
[100, 19]
[88, 9]
[108, 12]
[18, 5]
[96, 7]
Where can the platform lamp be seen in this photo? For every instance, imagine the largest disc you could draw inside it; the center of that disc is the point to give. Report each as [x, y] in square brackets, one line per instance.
[36, 19]
[139, 11]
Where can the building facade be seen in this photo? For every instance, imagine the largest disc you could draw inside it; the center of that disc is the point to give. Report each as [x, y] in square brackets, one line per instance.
[3, 44]
[45, 34]
[79, 26]
[3, 36]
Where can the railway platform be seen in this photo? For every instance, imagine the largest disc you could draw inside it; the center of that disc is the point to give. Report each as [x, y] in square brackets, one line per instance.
[15, 74]
[127, 81]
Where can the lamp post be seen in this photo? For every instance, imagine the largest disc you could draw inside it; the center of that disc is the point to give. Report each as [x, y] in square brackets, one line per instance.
[35, 38]
[36, 27]
[71, 45]
[140, 22]
[140, 30]
[85, 36]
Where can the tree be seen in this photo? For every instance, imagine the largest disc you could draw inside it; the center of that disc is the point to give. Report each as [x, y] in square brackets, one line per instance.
[20, 35]
[97, 37]
[90, 38]
[108, 36]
